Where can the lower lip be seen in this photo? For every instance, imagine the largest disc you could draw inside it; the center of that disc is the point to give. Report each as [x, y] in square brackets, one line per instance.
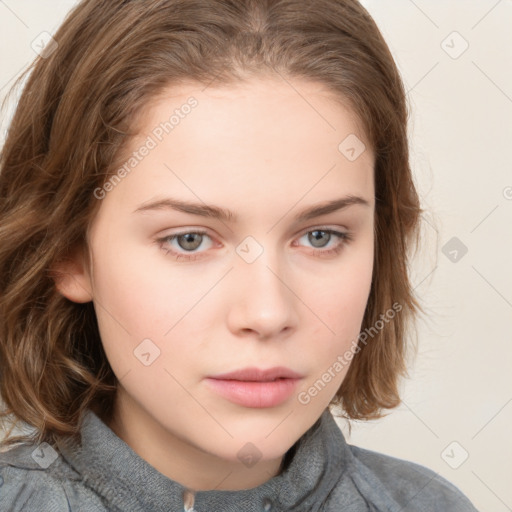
[255, 394]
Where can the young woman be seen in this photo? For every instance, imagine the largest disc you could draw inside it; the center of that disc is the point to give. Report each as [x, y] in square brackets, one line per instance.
[206, 215]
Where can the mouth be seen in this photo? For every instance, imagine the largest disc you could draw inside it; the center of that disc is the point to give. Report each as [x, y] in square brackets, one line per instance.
[255, 388]
[253, 374]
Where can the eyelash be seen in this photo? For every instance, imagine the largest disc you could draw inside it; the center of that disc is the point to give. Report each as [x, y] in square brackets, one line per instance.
[344, 237]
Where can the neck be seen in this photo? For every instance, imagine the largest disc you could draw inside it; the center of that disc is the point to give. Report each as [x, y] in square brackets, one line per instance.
[182, 462]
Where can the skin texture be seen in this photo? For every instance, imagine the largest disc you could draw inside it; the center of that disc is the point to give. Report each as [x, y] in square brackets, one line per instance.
[266, 151]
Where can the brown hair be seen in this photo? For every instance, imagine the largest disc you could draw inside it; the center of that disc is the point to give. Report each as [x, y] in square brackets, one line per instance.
[74, 118]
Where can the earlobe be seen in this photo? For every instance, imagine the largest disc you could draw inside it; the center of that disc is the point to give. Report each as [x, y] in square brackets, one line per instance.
[72, 278]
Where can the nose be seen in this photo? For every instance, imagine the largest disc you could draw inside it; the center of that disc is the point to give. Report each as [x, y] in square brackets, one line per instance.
[262, 303]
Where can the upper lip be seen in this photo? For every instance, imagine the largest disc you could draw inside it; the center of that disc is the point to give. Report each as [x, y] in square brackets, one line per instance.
[257, 375]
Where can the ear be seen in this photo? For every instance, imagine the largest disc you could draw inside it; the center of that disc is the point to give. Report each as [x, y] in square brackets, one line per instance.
[72, 277]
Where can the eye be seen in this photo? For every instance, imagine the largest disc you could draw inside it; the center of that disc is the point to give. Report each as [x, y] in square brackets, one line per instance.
[186, 245]
[320, 238]
[188, 241]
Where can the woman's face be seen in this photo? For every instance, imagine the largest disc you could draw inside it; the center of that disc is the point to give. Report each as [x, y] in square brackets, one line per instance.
[263, 286]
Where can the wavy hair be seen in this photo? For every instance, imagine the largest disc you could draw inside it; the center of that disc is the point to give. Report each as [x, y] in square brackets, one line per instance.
[77, 111]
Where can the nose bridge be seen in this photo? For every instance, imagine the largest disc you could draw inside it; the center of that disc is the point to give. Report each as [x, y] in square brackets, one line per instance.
[260, 266]
[264, 299]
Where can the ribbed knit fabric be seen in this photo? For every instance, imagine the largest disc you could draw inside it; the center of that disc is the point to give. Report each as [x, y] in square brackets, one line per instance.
[324, 474]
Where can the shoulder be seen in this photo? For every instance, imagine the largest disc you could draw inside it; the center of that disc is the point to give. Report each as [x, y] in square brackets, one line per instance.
[36, 477]
[406, 485]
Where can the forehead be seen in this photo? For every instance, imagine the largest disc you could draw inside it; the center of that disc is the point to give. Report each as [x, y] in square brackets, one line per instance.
[290, 107]
[243, 144]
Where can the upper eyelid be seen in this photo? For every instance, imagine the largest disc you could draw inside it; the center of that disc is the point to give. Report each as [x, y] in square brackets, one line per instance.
[207, 231]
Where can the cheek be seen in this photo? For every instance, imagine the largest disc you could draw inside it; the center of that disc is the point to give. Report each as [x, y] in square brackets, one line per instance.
[341, 309]
[132, 301]
[134, 284]
[136, 300]
[344, 300]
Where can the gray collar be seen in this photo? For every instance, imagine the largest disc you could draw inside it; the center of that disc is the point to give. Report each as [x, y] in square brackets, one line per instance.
[127, 482]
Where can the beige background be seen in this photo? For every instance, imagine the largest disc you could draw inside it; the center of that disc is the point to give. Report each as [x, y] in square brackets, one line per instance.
[458, 401]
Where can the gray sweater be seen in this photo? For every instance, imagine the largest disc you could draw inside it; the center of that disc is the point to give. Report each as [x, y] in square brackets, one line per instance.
[324, 474]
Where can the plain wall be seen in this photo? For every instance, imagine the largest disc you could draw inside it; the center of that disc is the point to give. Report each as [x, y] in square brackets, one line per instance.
[458, 399]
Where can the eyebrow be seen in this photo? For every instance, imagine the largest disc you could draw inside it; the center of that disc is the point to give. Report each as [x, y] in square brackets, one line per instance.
[205, 210]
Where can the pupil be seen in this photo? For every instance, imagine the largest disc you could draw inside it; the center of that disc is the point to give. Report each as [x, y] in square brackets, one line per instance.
[316, 236]
[189, 241]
